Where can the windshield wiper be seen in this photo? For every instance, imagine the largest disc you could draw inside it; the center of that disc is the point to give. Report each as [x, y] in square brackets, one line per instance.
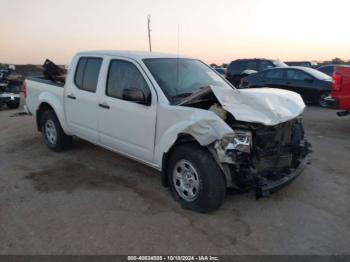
[182, 95]
[179, 97]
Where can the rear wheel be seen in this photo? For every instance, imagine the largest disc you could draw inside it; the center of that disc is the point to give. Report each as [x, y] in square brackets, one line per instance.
[195, 178]
[322, 99]
[53, 134]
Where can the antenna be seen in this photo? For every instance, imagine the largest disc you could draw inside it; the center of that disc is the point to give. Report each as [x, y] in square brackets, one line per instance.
[178, 54]
[149, 32]
[178, 40]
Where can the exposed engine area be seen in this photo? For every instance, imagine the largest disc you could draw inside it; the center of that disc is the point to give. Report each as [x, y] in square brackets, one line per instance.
[256, 155]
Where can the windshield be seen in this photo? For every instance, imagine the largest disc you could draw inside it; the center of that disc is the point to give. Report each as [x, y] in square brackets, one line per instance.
[179, 78]
[317, 74]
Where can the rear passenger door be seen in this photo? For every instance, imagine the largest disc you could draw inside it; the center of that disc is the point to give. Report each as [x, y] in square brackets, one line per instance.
[126, 126]
[81, 98]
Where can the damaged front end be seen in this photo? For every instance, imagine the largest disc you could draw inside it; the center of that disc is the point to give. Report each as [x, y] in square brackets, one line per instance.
[265, 152]
[263, 157]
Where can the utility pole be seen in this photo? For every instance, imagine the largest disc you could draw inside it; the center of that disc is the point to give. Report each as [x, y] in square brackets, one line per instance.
[149, 32]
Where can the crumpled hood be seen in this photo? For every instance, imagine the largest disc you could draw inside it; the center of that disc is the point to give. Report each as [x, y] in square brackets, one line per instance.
[267, 106]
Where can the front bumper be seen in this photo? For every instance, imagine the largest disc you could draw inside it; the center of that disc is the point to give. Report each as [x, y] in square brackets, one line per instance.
[5, 98]
[267, 187]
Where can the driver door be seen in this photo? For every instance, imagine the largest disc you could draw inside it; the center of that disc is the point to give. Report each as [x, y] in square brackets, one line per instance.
[125, 126]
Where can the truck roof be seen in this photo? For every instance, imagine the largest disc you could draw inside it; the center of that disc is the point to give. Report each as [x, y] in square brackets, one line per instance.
[136, 55]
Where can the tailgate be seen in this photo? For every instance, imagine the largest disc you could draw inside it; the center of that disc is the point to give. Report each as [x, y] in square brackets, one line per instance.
[341, 87]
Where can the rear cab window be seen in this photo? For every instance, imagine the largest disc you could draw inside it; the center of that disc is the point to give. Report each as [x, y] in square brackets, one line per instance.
[87, 73]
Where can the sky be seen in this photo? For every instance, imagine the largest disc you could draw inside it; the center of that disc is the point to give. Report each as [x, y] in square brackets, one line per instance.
[213, 31]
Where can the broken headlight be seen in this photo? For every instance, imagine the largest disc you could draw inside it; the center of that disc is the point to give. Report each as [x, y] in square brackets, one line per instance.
[240, 141]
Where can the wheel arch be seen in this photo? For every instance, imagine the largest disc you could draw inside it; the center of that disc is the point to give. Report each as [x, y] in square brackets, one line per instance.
[183, 138]
[51, 102]
[43, 107]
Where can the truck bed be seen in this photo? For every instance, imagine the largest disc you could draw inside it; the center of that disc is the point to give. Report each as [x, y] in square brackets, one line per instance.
[41, 89]
[44, 80]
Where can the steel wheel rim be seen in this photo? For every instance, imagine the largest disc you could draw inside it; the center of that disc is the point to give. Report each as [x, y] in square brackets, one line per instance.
[186, 180]
[51, 132]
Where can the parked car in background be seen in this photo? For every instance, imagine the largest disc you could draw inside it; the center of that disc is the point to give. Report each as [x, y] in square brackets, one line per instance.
[327, 69]
[178, 116]
[243, 67]
[10, 89]
[312, 85]
[4, 73]
[10, 94]
[220, 70]
[340, 96]
[302, 63]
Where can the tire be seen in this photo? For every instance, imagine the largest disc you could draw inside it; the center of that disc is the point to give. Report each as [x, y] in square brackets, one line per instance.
[204, 180]
[53, 134]
[321, 101]
[13, 104]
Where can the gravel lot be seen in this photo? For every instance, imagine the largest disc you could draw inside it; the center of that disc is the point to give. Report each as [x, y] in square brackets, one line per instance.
[92, 201]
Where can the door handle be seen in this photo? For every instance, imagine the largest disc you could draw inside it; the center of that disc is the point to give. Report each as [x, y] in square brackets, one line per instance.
[71, 96]
[104, 105]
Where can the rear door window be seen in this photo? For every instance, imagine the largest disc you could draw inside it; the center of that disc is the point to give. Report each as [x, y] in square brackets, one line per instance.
[274, 74]
[297, 75]
[87, 73]
[79, 74]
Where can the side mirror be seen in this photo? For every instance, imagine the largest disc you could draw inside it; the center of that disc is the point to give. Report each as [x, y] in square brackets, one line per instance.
[136, 95]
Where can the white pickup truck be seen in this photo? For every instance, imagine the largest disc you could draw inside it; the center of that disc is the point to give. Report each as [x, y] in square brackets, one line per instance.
[178, 116]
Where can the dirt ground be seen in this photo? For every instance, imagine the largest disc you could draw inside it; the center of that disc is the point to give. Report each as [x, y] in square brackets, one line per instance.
[92, 201]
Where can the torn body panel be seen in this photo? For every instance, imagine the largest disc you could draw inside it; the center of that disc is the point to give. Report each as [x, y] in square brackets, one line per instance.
[266, 146]
[267, 106]
[203, 125]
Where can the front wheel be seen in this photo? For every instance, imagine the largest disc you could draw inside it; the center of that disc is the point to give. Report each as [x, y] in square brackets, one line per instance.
[195, 178]
[13, 104]
[53, 134]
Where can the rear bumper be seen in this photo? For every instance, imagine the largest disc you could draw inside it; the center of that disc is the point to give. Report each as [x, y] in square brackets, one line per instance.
[337, 103]
[331, 102]
[269, 187]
